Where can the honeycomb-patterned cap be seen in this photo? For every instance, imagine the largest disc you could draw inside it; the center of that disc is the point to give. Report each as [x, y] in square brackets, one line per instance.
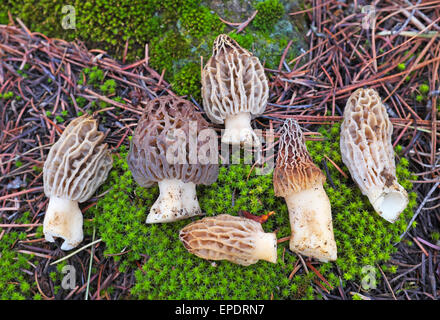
[367, 151]
[225, 237]
[155, 136]
[78, 163]
[366, 147]
[233, 81]
[294, 170]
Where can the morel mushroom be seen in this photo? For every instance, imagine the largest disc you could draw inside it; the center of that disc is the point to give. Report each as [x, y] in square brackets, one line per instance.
[225, 237]
[300, 182]
[367, 152]
[234, 88]
[77, 164]
[154, 138]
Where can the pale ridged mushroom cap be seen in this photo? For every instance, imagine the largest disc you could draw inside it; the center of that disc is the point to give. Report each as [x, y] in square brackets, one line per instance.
[233, 81]
[78, 163]
[367, 151]
[366, 139]
[226, 237]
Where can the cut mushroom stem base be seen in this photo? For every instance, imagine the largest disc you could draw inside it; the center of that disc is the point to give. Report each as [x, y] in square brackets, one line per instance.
[311, 224]
[63, 219]
[389, 202]
[266, 247]
[238, 131]
[177, 201]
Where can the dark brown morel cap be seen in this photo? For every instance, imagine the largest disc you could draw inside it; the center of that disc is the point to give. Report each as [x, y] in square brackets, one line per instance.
[156, 133]
[294, 170]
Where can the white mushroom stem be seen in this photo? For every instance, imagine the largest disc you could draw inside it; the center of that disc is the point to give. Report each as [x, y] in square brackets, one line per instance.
[177, 200]
[238, 130]
[63, 219]
[389, 202]
[311, 224]
[266, 247]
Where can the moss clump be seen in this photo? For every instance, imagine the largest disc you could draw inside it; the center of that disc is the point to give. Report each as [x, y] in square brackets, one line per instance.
[120, 215]
[401, 67]
[171, 10]
[435, 236]
[170, 272]
[4, 19]
[233, 191]
[269, 12]
[109, 86]
[167, 50]
[268, 48]
[246, 40]
[14, 284]
[165, 270]
[7, 95]
[115, 22]
[424, 89]
[199, 21]
[93, 76]
[186, 82]
[178, 32]
[96, 78]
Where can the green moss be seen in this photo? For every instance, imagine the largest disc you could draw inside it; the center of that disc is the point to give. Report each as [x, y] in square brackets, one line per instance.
[59, 119]
[37, 169]
[401, 67]
[244, 39]
[4, 19]
[109, 86]
[269, 12]
[268, 48]
[424, 89]
[81, 101]
[199, 22]
[187, 81]
[177, 32]
[172, 9]
[96, 78]
[7, 95]
[94, 75]
[166, 49]
[14, 283]
[356, 297]
[165, 270]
